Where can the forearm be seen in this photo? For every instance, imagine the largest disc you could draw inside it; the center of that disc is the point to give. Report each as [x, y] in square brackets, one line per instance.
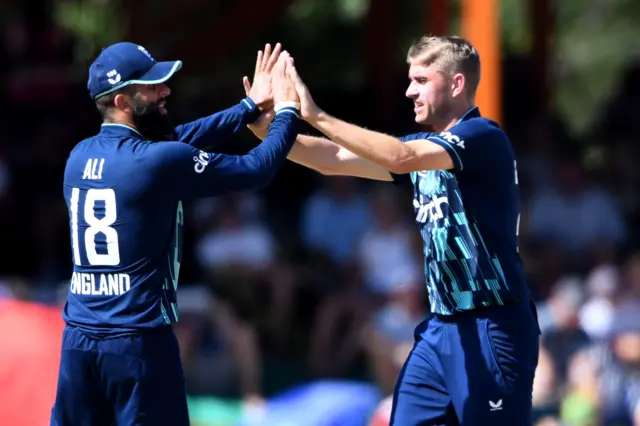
[272, 152]
[384, 150]
[319, 154]
[206, 132]
[329, 158]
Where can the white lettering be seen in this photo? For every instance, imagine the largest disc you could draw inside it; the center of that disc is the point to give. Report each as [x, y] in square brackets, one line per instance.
[93, 169]
[202, 161]
[102, 285]
[452, 139]
[431, 211]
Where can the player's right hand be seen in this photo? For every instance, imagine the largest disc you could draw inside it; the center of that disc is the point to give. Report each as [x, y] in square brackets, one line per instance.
[261, 91]
[283, 87]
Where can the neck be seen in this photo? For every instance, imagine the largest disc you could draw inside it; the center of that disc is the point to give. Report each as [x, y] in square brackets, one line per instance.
[125, 121]
[453, 117]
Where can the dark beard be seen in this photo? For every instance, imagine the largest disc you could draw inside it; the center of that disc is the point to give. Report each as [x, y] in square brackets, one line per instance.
[152, 124]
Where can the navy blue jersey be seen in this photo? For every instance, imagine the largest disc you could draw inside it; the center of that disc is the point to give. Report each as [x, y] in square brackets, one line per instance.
[124, 195]
[468, 218]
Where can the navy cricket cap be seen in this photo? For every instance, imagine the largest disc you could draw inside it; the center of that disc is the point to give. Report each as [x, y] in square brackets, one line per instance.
[125, 63]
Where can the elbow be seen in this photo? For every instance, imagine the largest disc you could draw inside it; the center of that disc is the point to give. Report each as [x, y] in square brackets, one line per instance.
[399, 167]
[327, 171]
[401, 163]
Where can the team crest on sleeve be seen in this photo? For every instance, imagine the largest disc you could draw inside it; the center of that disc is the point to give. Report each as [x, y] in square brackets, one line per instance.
[202, 161]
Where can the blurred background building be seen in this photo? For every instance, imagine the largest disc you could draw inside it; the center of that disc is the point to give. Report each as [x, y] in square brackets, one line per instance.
[299, 302]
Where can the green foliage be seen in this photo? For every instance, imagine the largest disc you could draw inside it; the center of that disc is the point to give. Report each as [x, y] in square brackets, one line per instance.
[94, 23]
[596, 40]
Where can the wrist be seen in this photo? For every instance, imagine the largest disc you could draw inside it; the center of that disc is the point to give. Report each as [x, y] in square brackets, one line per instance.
[261, 104]
[286, 104]
[317, 118]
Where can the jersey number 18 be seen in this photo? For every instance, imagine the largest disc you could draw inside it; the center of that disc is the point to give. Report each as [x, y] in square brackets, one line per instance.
[110, 255]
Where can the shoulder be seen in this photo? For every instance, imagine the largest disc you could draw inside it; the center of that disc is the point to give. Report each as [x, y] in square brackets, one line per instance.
[82, 146]
[478, 128]
[416, 136]
[159, 153]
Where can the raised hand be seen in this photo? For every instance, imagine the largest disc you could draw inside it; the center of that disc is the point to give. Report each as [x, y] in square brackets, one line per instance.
[260, 127]
[260, 91]
[283, 86]
[308, 108]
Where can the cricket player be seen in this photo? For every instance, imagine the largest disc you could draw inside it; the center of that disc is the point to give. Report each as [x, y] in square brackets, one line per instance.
[474, 357]
[124, 188]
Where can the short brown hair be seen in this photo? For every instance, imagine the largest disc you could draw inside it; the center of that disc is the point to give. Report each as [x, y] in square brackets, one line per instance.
[106, 103]
[451, 54]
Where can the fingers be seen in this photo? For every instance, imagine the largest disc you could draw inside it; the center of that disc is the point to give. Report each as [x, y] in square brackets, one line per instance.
[258, 62]
[266, 56]
[273, 58]
[293, 73]
[246, 84]
[279, 67]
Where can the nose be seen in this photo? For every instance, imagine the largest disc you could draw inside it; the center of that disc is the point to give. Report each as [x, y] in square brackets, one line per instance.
[411, 92]
[163, 90]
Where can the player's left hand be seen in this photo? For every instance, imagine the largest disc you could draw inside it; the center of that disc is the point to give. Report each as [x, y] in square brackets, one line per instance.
[309, 110]
[260, 127]
[260, 90]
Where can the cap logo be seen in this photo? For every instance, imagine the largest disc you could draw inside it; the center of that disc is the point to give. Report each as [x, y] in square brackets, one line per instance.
[114, 77]
[143, 50]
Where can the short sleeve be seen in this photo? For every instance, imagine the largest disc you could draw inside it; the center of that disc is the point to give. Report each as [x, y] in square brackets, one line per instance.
[476, 145]
[403, 178]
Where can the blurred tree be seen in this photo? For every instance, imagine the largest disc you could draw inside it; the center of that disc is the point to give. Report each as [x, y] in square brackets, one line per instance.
[94, 24]
[596, 41]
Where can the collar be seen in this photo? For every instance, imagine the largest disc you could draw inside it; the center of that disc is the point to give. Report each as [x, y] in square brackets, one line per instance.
[473, 112]
[114, 129]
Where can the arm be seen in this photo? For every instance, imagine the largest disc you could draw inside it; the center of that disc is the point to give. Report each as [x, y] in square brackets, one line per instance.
[326, 157]
[329, 158]
[205, 132]
[384, 150]
[186, 172]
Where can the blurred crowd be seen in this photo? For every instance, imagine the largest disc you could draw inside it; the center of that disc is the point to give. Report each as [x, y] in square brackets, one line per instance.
[328, 282]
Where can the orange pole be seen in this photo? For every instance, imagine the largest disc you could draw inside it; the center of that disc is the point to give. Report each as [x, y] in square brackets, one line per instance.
[481, 26]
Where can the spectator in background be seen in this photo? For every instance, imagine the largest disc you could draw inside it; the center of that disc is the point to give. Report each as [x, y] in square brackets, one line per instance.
[559, 322]
[632, 278]
[240, 255]
[574, 214]
[336, 333]
[580, 403]
[388, 245]
[236, 243]
[220, 352]
[620, 368]
[389, 334]
[334, 218]
[596, 316]
[546, 389]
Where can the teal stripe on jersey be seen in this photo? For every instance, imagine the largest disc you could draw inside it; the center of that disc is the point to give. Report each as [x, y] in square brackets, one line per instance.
[484, 247]
[498, 267]
[461, 218]
[440, 241]
[464, 248]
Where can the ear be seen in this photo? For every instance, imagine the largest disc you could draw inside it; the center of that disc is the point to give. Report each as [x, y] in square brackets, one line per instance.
[122, 101]
[457, 85]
